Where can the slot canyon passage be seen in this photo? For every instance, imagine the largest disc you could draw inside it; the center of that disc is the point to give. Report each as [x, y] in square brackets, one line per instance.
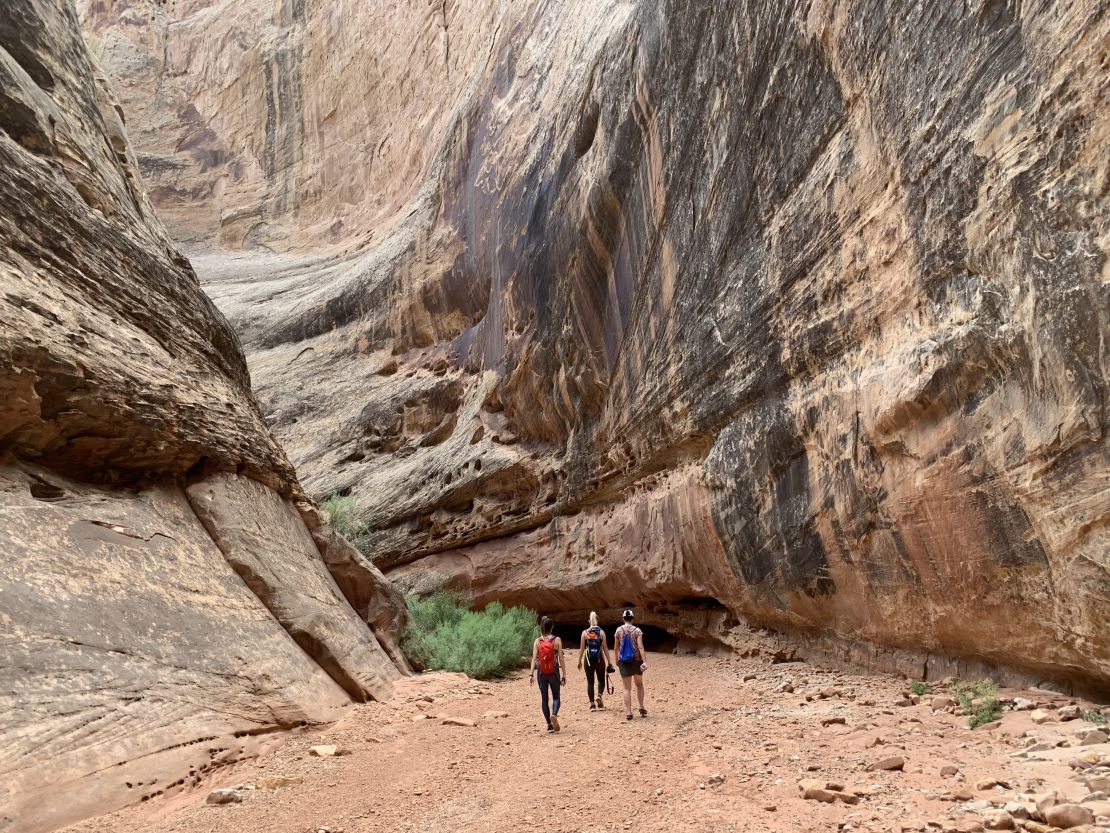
[784, 322]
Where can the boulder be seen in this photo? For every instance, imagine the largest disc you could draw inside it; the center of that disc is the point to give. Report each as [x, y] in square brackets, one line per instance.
[1066, 816]
[998, 820]
[894, 762]
[326, 750]
[224, 796]
[1045, 802]
[458, 721]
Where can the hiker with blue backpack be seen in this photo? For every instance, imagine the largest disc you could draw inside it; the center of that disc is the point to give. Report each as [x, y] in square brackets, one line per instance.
[628, 645]
[593, 652]
[547, 656]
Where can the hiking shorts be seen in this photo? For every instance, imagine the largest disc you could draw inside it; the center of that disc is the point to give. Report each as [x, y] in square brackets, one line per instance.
[630, 668]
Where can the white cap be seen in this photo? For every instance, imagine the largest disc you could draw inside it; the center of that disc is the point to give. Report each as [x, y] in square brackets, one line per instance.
[628, 614]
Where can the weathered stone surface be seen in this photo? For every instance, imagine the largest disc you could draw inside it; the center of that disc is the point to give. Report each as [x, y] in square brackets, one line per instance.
[133, 655]
[785, 313]
[267, 544]
[317, 126]
[133, 658]
[374, 597]
[114, 362]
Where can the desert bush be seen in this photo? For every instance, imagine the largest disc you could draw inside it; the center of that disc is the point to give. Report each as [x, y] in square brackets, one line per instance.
[342, 511]
[446, 636]
[918, 688]
[978, 699]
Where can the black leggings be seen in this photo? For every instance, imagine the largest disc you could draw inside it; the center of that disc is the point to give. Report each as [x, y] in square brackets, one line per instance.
[597, 670]
[549, 682]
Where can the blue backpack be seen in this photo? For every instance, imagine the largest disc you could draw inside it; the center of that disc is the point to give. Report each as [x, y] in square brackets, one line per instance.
[593, 646]
[628, 647]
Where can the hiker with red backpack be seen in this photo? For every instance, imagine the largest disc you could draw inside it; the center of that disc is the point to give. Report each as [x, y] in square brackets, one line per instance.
[628, 645]
[547, 656]
[593, 652]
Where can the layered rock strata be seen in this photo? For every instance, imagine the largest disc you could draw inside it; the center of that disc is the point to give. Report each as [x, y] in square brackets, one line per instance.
[785, 313]
[163, 604]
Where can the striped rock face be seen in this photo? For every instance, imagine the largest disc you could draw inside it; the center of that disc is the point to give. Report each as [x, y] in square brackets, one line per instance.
[792, 314]
[165, 599]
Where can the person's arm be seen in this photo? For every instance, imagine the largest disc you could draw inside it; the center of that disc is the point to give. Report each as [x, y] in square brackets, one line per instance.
[532, 664]
[643, 653]
[562, 659]
[605, 652]
[581, 649]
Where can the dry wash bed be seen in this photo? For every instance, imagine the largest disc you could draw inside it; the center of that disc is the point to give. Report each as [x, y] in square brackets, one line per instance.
[728, 746]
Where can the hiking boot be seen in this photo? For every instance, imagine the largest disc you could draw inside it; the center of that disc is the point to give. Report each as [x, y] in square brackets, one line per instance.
[600, 705]
[643, 712]
[555, 722]
[628, 717]
[593, 707]
[551, 730]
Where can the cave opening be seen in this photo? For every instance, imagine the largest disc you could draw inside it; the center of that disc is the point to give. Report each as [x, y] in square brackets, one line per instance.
[656, 639]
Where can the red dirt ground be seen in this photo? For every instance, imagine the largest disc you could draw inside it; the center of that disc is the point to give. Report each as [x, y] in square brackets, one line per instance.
[406, 771]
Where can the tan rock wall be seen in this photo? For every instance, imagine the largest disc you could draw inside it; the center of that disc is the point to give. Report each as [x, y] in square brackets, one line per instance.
[134, 660]
[840, 265]
[133, 657]
[285, 124]
[267, 544]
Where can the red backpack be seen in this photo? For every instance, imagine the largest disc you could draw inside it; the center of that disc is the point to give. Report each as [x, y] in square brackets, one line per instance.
[547, 655]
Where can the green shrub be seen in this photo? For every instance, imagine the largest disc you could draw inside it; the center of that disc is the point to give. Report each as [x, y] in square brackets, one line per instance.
[978, 699]
[446, 636]
[443, 607]
[343, 511]
[1091, 716]
[919, 688]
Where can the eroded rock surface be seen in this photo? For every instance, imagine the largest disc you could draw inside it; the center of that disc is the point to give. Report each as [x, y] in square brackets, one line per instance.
[133, 657]
[267, 544]
[789, 313]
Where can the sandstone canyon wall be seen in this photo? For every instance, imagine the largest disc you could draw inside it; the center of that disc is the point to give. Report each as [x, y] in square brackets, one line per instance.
[785, 313]
[164, 599]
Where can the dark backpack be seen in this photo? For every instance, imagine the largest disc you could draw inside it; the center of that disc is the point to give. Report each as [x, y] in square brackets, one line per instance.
[628, 646]
[593, 646]
[547, 655]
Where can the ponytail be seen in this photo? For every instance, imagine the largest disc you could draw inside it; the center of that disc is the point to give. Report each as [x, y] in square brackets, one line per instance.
[593, 619]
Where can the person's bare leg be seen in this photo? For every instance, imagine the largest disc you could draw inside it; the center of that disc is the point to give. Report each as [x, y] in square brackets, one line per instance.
[627, 682]
[639, 693]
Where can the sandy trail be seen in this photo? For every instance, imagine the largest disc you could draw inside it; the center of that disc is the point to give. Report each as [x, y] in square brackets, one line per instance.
[407, 770]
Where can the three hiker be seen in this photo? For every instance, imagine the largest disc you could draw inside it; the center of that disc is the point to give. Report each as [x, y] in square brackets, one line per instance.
[547, 656]
[594, 657]
[593, 653]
